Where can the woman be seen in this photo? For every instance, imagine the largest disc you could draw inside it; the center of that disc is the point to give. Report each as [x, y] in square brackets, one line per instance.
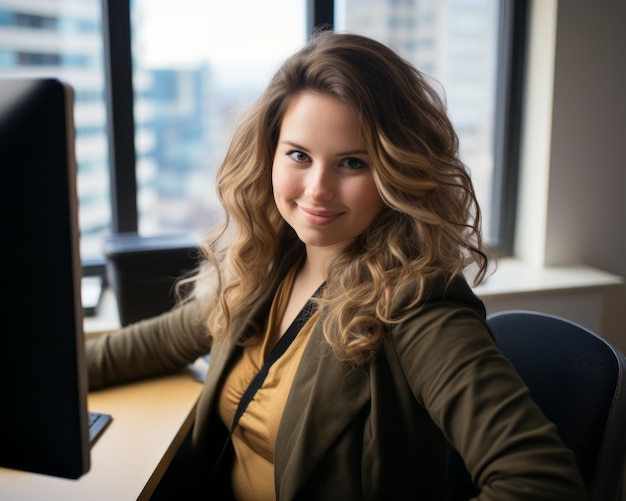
[344, 194]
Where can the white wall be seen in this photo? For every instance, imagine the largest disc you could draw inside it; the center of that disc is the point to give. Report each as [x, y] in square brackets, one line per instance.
[587, 203]
[573, 201]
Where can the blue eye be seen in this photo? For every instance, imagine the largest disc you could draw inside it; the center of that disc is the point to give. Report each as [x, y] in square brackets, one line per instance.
[298, 156]
[354, 163]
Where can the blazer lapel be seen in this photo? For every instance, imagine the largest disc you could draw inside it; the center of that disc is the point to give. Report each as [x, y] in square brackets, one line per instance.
[325, 396]
[222, 354]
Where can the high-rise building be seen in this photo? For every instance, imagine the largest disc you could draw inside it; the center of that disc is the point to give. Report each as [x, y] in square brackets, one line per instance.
[40, 38]
[184, 113]
[455, 43]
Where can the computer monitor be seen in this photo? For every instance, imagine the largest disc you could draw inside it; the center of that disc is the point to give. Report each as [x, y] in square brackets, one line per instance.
[43, 375]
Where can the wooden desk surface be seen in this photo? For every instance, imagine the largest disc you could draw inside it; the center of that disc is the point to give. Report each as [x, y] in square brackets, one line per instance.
[150, 421]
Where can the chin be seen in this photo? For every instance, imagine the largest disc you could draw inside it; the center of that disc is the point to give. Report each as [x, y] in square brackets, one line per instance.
[330, 244]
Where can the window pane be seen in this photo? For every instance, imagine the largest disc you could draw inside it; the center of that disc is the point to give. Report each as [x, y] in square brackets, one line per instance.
[455, 42]
[62, 39]
[197, 67]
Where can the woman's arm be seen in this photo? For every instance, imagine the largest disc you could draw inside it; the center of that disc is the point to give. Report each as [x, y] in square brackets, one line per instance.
[484, 409]
[148, 348]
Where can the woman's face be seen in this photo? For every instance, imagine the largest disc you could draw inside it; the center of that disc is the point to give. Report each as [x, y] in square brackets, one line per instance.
[322, 180]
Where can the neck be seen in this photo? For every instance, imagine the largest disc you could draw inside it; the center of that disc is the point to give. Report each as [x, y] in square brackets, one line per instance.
[315, 267]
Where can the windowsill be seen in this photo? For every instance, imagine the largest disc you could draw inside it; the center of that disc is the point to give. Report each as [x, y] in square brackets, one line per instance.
[513, 277]
[577, 293]
[512, 280]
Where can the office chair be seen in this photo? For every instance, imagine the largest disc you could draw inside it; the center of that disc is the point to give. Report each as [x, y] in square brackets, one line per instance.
[578, 380]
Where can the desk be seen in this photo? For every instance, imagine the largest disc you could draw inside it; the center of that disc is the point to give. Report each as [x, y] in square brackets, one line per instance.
[150, 420]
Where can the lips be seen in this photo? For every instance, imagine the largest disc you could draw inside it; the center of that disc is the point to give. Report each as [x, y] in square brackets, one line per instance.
[319, 216]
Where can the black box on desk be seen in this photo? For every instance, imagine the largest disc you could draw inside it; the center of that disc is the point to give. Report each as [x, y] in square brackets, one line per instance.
[142, 272]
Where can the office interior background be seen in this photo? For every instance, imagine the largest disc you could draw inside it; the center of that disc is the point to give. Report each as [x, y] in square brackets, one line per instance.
[534, 88]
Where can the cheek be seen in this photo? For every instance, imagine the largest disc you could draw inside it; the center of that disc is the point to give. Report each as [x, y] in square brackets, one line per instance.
[282, 184]
[366, 195]
[369, 205]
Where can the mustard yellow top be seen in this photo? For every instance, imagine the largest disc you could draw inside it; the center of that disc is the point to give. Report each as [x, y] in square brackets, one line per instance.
[253, 439]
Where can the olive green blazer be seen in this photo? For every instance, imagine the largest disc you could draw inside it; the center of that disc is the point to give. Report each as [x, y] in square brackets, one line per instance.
[381, 431]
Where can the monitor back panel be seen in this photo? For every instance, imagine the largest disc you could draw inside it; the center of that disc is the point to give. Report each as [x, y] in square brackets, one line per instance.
[43, 423]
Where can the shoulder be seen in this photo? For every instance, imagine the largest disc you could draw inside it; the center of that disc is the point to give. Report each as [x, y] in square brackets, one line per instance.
[440, 339]
[449, 320]
[439, 290]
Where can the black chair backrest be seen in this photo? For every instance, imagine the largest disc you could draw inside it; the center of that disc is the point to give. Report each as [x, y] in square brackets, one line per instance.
[577, 379]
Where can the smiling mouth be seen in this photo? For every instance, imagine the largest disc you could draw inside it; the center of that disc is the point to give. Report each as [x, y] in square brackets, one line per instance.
[319, 217]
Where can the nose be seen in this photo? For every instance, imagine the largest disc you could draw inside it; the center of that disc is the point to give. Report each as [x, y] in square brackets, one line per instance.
[320, 183]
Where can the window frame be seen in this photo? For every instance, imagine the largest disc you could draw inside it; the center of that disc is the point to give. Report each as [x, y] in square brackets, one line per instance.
[510, 88]
[118, 70]
[116, 28]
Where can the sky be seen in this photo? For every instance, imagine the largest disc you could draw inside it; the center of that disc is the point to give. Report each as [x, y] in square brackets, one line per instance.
[179, 33]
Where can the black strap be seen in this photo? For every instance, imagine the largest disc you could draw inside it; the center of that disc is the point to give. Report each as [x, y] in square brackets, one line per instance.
[283, 343]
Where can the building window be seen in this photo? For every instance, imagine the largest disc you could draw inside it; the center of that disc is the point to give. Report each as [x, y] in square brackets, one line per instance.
[456, 44]
[196, 67]
[193, 67]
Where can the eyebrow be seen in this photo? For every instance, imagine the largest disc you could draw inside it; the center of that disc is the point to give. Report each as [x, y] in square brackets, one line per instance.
[340, 154]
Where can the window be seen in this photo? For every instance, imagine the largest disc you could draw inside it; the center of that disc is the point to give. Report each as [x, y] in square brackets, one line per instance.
[464, 45]
[455, 43]
[44, 38]
[196, 67]
[156, 99]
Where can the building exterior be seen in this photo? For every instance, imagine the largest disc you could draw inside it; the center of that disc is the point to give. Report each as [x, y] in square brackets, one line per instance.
[183, 115]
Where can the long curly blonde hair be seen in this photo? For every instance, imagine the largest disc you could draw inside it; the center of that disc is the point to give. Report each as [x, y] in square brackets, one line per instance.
[430, 222]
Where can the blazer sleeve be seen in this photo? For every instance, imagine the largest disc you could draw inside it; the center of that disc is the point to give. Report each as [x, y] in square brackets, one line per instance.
[148, 348]
[474, 395]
